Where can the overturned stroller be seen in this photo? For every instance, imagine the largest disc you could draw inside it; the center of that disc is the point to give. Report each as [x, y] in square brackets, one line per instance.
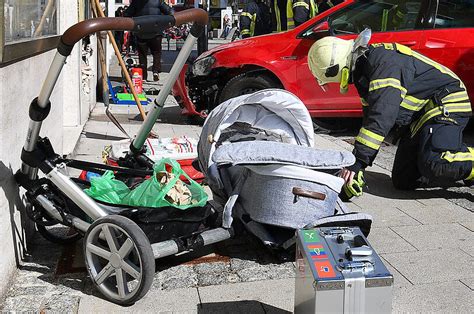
[257, 152]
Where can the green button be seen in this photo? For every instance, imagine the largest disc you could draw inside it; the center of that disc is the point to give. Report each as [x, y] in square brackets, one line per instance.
[310, 236]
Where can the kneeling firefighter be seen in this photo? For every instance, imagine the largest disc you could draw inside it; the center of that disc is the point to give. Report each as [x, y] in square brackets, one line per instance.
[402, 90]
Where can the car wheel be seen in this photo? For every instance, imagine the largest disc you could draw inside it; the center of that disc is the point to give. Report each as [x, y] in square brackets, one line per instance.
[244, 84]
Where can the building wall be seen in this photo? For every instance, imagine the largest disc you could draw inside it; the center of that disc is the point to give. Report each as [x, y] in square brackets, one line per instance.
[21, 82]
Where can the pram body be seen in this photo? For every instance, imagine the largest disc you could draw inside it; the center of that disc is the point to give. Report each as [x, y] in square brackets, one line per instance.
[258, 154]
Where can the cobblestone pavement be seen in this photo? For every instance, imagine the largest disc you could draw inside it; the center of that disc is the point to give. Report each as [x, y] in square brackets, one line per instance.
[425, 238]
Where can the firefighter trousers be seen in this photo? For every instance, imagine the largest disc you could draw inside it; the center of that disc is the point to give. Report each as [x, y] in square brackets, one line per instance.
[435, 154]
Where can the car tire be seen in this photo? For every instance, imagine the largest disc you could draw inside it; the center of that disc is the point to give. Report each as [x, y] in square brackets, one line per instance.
[246, 84]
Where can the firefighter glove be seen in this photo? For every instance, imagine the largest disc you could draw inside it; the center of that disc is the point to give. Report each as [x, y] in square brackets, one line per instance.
[349, 190]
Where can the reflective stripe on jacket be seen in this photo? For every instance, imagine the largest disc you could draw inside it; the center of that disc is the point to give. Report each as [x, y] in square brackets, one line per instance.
[401, 87]
[299, 11]
[247, 20]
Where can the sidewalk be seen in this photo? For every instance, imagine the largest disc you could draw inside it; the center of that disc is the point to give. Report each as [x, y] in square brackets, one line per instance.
[425, 238]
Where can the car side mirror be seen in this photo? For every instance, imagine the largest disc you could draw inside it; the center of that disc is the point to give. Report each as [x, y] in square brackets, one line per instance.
[322, 27]
[319, 31]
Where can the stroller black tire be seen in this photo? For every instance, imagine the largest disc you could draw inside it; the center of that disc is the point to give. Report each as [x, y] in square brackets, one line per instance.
[72, 236]
[119, 259]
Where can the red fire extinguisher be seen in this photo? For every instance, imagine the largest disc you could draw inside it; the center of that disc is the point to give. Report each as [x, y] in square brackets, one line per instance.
[137, 79]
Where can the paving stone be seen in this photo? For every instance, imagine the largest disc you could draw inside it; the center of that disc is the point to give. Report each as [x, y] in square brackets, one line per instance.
[384, 240]
[385, 215]
[435, 237]
[156, 301]
[232, 307]
[446, 297]
[237, 264]
[398, 279]
[22, 304]
[276, 293]
[270, 271]
[468, 224]
[432, 266]
[61, 303]
[468, 282]
[210, 268]
[176, 277]
[383, 195]
[31, 290]
[438, 214]
[215, 279]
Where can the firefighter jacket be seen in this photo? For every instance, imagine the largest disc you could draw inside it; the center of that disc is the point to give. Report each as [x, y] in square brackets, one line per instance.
[327, 4]
[400, 87]
[255, 19]
[299, 11]
[287, 14]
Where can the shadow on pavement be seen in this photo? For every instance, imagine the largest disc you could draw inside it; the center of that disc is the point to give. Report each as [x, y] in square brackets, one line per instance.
[239, 307]
[172, 115]
[380, 184]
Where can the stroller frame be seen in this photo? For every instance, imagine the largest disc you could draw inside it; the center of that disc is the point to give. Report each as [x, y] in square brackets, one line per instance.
[124, 272]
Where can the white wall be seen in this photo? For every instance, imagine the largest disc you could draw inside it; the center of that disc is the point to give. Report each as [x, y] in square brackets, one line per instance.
[21, 82]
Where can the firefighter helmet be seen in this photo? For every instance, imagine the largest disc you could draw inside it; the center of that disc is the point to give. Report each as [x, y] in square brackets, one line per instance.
[331, 59]
[328, 57]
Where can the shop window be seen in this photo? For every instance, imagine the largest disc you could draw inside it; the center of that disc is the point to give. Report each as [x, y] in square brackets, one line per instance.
[28, 27]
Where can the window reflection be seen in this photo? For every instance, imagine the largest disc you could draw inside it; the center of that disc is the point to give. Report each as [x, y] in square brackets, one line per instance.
[29, 19]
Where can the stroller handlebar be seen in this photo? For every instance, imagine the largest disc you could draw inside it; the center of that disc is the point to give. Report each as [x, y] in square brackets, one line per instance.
[199, 16]
[153, 24]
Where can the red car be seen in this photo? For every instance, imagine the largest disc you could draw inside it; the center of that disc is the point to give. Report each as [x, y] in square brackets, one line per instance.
[442, 30]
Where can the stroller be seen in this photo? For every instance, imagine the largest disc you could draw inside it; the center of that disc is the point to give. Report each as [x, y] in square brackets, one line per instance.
[257, 152]
[118, 254]
[121, 242]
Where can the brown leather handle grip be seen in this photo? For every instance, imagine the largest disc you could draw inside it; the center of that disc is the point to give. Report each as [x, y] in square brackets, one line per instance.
[310, 194]
[78, 31]
[198, 16]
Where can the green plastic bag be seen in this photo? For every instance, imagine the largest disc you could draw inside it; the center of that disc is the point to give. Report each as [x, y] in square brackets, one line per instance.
[107, 189]
[152, 193]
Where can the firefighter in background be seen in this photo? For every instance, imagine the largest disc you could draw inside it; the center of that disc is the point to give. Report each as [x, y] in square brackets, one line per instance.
[299, 11]
[324, 5]
[425, 101]
[255, 19]
[287, 14]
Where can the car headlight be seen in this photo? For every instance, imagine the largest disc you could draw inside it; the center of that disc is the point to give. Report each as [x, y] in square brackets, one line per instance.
[203, 66]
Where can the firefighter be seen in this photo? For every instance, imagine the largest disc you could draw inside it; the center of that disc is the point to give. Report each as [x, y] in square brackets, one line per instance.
[324, 5]
[287, 14]
[255, 19]
[299, 11]
[424, 100]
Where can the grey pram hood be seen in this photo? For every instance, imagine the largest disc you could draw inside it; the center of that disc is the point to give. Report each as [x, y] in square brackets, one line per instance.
[268, 133]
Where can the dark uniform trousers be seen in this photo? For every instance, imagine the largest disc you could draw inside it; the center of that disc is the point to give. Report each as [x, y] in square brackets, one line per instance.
[431, 153]
[400, 87]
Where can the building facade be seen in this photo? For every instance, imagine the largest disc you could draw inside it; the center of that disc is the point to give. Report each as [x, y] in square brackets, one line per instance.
[29, 33]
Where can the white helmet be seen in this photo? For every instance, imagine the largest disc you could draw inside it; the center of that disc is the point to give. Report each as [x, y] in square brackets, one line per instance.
[327, 57]
[330, 59]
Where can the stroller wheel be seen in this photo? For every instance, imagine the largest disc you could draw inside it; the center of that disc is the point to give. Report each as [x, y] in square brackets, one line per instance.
[119, 259]
[58, 233]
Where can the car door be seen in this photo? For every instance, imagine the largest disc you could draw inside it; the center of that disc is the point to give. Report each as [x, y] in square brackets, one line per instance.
[346, 23]
[450, 40]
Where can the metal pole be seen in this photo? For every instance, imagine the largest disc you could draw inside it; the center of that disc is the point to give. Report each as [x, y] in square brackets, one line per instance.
[153, 114]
